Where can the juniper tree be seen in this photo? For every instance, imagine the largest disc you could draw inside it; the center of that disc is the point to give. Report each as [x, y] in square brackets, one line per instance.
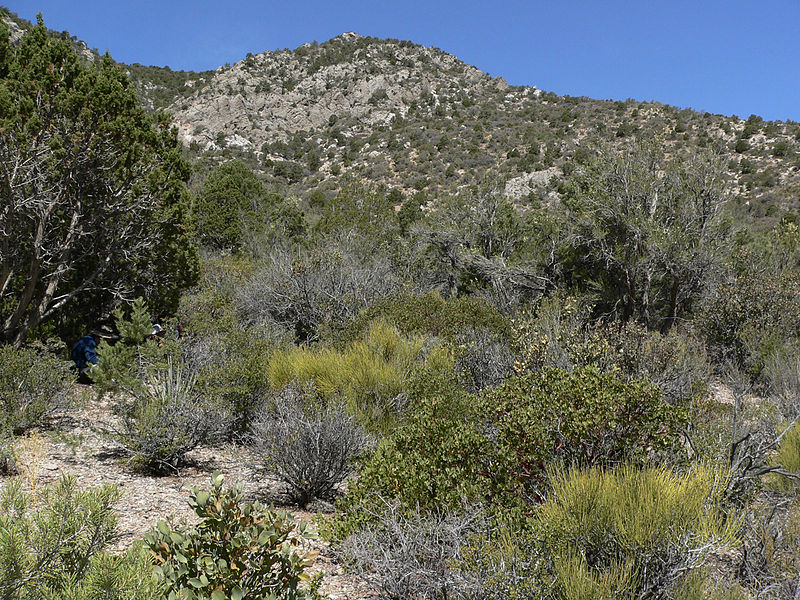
[92, 189]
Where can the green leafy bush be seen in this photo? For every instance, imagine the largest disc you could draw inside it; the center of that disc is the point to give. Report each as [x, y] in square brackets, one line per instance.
[52, 546]
[430, 314]
[32, 386]
[585, 418]
[496, 447]
[429, 461]
[238, 550]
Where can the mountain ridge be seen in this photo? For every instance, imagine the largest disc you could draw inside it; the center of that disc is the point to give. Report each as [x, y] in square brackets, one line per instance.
[394, 113]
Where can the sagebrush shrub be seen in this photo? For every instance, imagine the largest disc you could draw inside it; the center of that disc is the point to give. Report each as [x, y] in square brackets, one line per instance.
[310, 445]
[413, 555]
[237, 551]
[325, 286]
[483, 359]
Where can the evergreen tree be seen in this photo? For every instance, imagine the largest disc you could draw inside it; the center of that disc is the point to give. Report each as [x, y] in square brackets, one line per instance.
[92, 188]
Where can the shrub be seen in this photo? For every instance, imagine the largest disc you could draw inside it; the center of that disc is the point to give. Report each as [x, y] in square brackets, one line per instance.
[430, 314]
[232, 374]
[238, 550]
[630, 531]
[586, 418]
[414, 555]
[496, 447]
[751, 314]
[53, 546]
[560, 334]
[483, 358]
[323, 287]
[124, 365]
[165, 420]
[771, 550]
[429, 461]
[309, 445]
[371, 374]
[32, 386]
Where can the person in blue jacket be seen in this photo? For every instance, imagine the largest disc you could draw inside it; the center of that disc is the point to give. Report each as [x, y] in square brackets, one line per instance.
[84, 353]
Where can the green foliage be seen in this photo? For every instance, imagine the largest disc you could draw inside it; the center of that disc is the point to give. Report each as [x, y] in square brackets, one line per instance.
[430, 314]
[497, 447]
[52, 546]
[646, 233]
[585, 418]
[371, 374]
[32, 386]
[125, 364]
[238, 550]
[750, 315]
[117, 226]
[630, 530]
[558, 332]
[363, 210]
[432, 460]
[232, 204]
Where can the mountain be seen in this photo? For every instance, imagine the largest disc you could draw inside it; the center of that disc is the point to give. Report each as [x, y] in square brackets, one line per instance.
[417, 119]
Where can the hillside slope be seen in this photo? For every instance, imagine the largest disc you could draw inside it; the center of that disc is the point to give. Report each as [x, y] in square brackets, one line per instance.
[394, 113]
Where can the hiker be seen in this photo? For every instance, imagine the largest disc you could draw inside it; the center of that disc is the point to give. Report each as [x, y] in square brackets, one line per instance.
[84, 353]
[158, 332]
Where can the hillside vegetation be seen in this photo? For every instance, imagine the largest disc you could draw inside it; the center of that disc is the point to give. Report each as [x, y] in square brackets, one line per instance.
[517, 345]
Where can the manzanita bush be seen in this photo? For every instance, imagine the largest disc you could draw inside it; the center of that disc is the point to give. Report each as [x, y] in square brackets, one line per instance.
[239, 550]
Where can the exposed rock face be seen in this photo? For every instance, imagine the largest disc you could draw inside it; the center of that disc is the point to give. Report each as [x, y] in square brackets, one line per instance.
[14, 30]
[520, 187]
[269, 95]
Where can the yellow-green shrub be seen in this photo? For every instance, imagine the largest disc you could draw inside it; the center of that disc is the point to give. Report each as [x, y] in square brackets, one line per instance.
[787, 458]
[371, 373]
[654, 521]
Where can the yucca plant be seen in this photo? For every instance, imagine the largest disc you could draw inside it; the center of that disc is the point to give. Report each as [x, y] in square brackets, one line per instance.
[165, 420]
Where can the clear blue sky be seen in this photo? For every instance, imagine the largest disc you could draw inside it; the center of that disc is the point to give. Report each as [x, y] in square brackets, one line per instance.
[729, 57]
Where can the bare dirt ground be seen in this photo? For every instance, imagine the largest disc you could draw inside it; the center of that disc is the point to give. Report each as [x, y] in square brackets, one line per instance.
[74, 445]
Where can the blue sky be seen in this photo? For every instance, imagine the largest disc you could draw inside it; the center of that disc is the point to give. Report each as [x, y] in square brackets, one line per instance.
[729, 57]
